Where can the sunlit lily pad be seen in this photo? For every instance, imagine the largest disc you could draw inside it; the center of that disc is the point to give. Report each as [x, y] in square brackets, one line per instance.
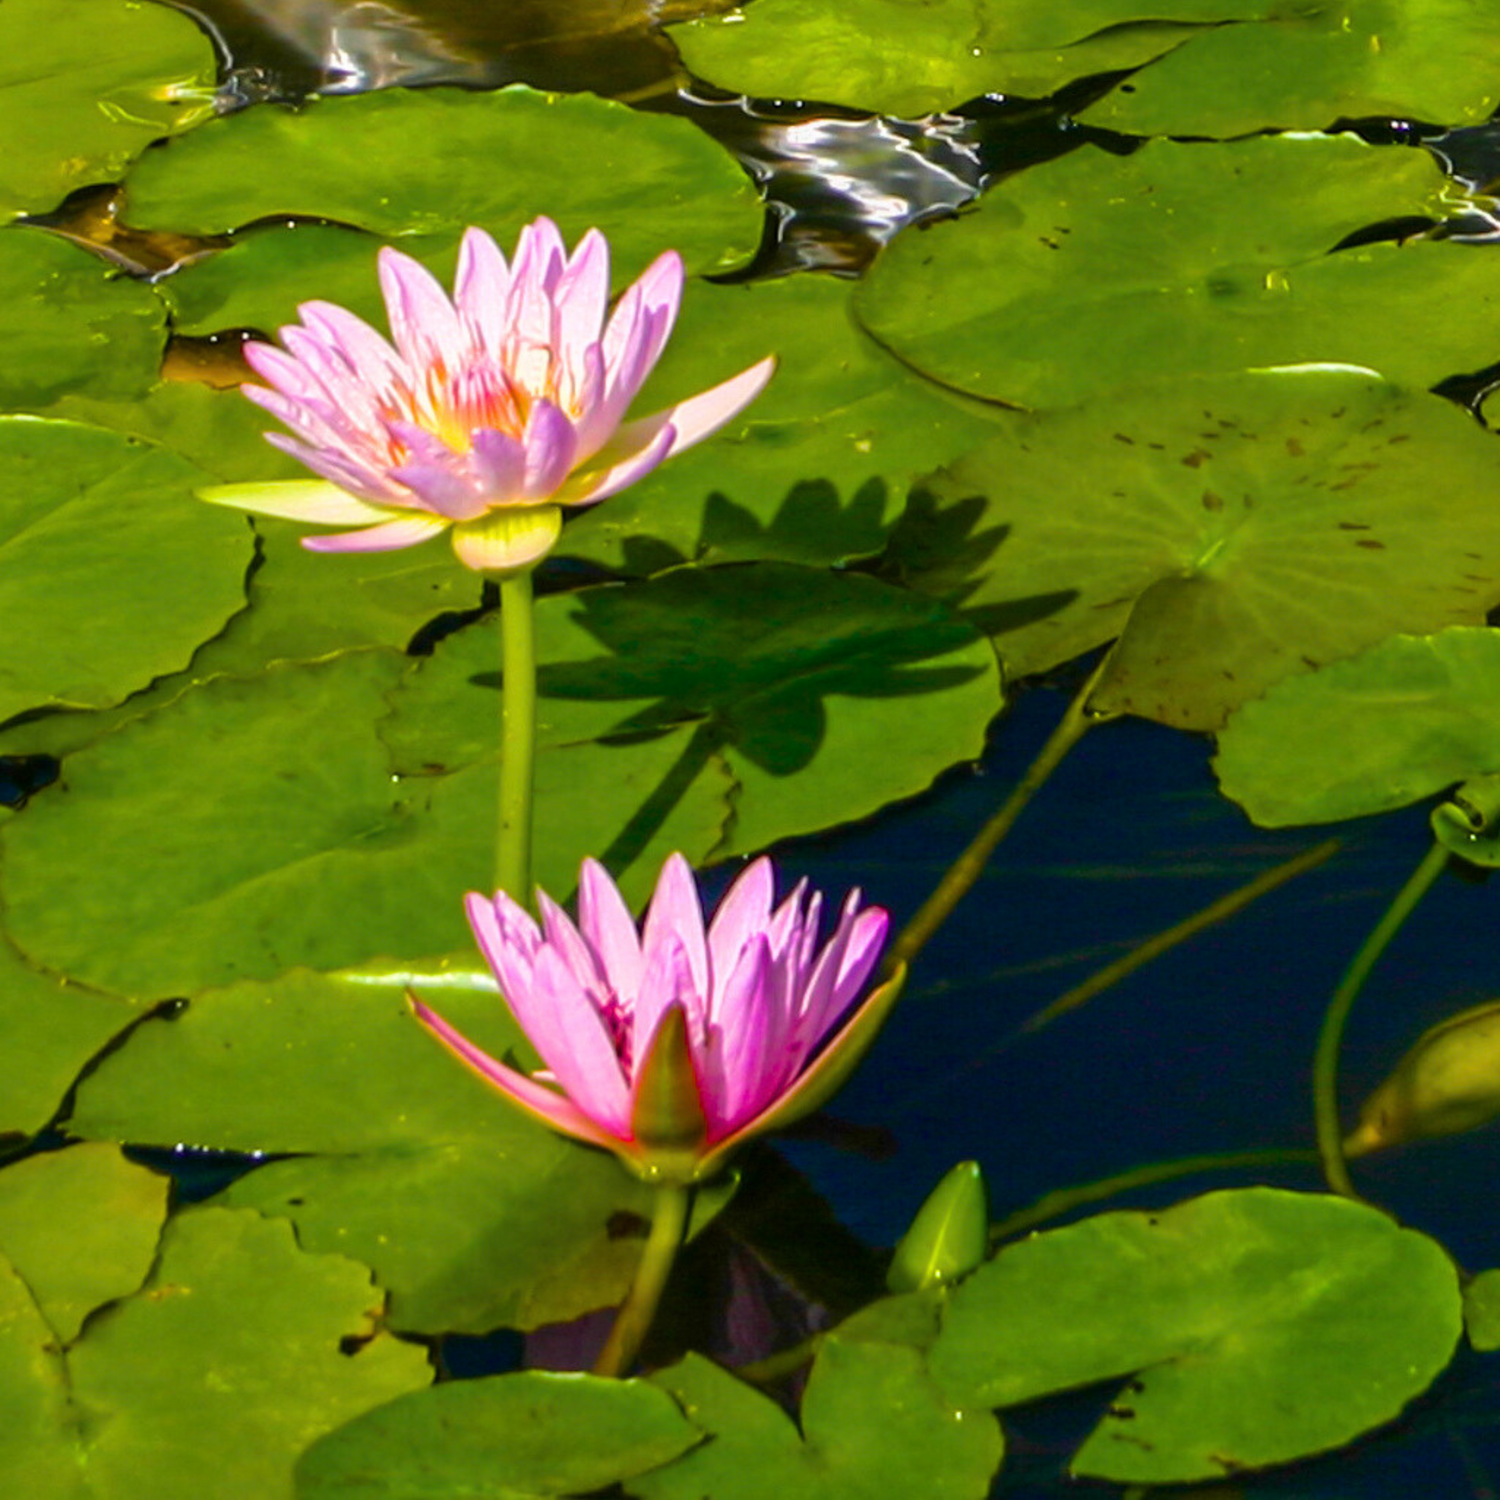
[1430, 60]
[320, 856]
[285, 1346]
[873, 1427]
[1482, 1310]
[1096, 271]
[402, 162]
[827, 694]
[1229, 532]
[1399, 722]
[39, 1437]
[815, 470]
[49, 1031]
[74, 112]
[896, 58]
[72, 324]
[81, 1226]
[532, 1434]
[471, 1214]
[1259, 1326]
[117, 570]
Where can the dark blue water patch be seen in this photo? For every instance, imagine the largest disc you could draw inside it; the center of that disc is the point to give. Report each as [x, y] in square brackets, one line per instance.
[21, 776]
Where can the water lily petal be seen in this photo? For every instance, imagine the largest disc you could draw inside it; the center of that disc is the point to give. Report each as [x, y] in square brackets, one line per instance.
[481, 285]
[580, 1051]
[676, 916]
[299, 500]
[550, 444]
[740, 916]
[599, 484]
[609, 930]
[390, 536]
[424, 325]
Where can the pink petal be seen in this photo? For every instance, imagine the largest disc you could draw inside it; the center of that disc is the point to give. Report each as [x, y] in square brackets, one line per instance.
[346, 470]
[581, 297]
[609, 929]
[386, 538]
[676, 915]
[500, 462]
[480, 287]
[750, 1031]
[739, 918]
[567, 942]
[641, 325]
[508, 938]
[666, 979]
[550, 444]
[368, 355]
[424, 326]
[620, 473]
[547, 1105]
[698, 416]
[579, 1049]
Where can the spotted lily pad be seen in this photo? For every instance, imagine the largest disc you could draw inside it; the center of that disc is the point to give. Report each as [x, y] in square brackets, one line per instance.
[401, 163]
[1228, 532]
[1258, 1325]
[1095, 271]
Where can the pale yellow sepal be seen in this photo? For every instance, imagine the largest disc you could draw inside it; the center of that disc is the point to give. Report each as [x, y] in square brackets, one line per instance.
[301, 500]
[508, 538]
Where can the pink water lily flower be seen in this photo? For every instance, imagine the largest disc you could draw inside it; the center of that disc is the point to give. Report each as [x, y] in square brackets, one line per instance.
[485, 414]
[671, 1046]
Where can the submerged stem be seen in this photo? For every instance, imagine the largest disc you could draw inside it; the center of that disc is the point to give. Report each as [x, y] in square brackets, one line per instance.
[517, 736]
[969, 865]
[668, 1225]
[1326, 1060]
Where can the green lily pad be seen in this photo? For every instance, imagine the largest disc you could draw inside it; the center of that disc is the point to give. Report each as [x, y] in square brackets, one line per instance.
[472, 1215]
[81, 1227]
[1259, 1326]
[73, 112]
[275, 835]
[85, 517]
[72, 323]
[1095, 271]
[528, 1434]
[401, 162]
[1482, 1310]
[1229, 533]
[894, 57]
[804, 681]
[40, 1433]
[1429, 60]
[1404, 719]
[814, 471]
[873, 1427]
[49, 1031]
[283, 1345]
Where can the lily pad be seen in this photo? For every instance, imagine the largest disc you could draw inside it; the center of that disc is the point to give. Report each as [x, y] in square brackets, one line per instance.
[49, 1031]
[1229, 533]
[1482, 1310]
[472, 1215]
[873, 1427]
[87, 516]
[1259, 1326]
[1095, 271]
[894, 57]
[400, 162]
[285, 1346]
[317, 855]
[73, 112]
[1430, 60]
[72, 323]
[81, 1227]
[1404, 719]
[804, 681]
[528, 1434]
[40, 1432]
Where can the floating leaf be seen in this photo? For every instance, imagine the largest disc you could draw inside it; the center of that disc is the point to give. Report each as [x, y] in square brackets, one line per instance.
[803, 680]
[40, 1433]
[81, 1226]
[1315, 65]
[85, 517]
[471, 1214]
[73, 112]
[400, 162]
[949, 1236]
[285, 1348]
[873, 1428]
[1229, 532]
[1482, 1310]
[49, 1030]
[73, 324]
[1259, 1325]
[320, 857]
[896, 58]
[1064, 280]
[529, 1434]
[1400, 721]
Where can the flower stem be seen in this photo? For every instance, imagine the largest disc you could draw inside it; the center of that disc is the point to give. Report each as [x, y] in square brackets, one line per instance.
[668, 1225]
[1326, 1060]
[517, 736]
[969, 865]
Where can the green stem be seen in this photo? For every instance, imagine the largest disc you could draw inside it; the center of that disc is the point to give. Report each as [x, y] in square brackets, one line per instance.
[969, 865]
[1326, 1061]
[668, 1225]
[517, 736]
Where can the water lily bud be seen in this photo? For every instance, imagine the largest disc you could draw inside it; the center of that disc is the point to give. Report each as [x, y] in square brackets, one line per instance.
[949, 1236]
[1448, 1082]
